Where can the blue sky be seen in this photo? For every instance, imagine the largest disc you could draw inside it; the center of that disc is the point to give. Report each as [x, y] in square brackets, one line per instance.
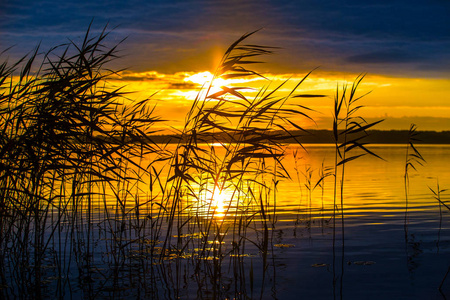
[395, 38]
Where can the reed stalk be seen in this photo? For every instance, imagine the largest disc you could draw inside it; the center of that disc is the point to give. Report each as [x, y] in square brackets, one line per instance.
[349, 131]
[437, 194]
[412, 159]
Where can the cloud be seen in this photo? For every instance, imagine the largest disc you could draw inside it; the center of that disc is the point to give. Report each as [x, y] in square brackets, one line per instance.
[182, 86]
[384, 57]
[411, 36]
[142, 76]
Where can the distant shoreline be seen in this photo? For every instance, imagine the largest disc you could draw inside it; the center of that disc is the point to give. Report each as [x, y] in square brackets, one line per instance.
[326, 137]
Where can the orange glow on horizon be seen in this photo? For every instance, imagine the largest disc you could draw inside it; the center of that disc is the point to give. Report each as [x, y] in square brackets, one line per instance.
[398, 98]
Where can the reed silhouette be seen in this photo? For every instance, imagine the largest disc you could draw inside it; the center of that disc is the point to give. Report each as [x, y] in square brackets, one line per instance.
[92, 206]
[412, 159]
[349, 131]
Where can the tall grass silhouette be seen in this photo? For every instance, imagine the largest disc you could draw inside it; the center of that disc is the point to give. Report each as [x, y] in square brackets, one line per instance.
[66, 141]
[245, 172]
[437, 194]
[86, 193]
[349, 131]
[412, 159]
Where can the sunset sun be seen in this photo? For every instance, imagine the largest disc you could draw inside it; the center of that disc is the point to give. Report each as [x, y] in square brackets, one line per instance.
[217, 200]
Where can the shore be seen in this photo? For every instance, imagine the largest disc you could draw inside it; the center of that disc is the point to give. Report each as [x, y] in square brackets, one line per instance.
[326, 137]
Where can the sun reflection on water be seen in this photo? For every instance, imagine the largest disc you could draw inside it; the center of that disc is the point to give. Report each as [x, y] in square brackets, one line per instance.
[218, 200]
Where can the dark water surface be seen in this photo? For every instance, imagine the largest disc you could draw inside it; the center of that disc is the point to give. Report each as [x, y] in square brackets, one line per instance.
[381, 258]
[381, 252]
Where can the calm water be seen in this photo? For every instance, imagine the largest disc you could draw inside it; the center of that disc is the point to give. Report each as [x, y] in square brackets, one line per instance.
[396, 266]
[378, 258]
[381, 258]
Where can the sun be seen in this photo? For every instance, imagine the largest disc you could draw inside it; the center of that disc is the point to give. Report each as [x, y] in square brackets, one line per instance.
[205, 78]
[211, 85]
[218, 200]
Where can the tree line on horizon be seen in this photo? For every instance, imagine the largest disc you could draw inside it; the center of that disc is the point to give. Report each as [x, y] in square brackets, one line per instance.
[324, 136]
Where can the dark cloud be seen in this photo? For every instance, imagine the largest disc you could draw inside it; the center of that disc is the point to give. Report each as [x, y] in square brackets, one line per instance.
[182, 86]
[165, 35]
[384, 57]
[136, 78]
[131, 76]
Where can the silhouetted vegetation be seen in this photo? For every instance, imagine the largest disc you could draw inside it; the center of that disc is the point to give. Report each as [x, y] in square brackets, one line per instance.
[96, 203]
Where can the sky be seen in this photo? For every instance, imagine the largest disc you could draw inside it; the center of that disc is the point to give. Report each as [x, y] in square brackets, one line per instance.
[402, 46]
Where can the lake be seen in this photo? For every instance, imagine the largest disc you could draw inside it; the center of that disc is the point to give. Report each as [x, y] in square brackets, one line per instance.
[378, 260]
[295, 250]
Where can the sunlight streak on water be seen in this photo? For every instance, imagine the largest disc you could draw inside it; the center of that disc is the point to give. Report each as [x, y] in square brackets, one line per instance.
[372, 186]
